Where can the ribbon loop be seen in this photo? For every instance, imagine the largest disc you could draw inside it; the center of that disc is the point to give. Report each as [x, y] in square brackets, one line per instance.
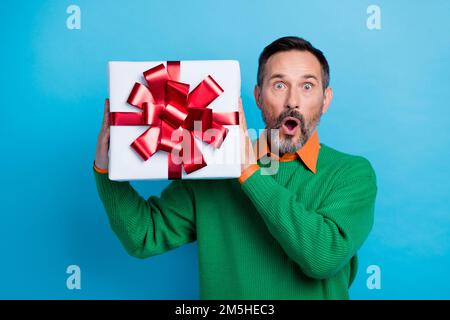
[140, 95]
[156, 78]
[207, 91]
[147, 143]
[177, 93]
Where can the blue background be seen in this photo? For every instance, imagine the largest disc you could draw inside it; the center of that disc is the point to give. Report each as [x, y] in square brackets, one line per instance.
[391, 93]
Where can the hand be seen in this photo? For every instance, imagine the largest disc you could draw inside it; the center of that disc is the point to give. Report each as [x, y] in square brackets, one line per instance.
[101, 154]
[247, 153]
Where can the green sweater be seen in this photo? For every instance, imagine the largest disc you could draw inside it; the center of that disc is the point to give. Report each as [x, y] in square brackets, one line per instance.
[292, 235]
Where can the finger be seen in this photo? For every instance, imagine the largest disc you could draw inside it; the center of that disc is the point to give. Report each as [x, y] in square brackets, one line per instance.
[240, 107]
[241, 111]
[106, 113]
[242, 120]
[105, 123]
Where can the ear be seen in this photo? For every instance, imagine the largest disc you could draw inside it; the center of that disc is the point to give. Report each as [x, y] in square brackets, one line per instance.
[327, 97]
[257, 94]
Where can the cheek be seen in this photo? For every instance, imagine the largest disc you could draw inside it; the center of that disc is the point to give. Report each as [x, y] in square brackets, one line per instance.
[313, 100]
[311, 108]
[313, 104]
[272, 103]
[268, 114]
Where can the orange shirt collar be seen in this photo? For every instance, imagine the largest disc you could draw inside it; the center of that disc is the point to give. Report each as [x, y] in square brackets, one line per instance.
[308, 153]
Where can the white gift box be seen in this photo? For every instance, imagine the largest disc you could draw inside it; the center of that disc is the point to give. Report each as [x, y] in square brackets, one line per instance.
[125, 163]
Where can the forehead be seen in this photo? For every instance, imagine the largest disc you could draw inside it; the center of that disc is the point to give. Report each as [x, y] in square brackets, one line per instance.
[293, 64]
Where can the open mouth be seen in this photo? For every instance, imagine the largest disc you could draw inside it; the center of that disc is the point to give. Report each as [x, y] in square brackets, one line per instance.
[290, 125]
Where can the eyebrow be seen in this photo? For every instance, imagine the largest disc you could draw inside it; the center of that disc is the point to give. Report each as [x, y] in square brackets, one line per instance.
[308, 76]
[282, 76]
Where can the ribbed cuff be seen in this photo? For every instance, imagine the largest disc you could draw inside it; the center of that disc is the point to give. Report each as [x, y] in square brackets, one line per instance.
[100, 170]
[248, 172]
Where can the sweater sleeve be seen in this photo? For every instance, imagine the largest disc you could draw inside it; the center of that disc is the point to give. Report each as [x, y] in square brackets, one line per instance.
[148, 227]
[323, 241]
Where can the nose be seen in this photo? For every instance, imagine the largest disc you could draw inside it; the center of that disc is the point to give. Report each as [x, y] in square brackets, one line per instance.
[292, 99]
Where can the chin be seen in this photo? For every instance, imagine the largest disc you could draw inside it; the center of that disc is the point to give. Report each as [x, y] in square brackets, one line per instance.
[290, 139]
[289, 144]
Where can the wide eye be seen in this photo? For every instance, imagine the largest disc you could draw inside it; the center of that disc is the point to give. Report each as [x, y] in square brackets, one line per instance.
[308, 86]
[280, 85]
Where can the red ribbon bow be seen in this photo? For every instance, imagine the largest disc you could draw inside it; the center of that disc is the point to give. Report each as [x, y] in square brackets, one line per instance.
[170, 110]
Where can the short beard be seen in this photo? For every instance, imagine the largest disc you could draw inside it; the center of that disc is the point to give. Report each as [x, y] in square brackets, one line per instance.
[287, 144]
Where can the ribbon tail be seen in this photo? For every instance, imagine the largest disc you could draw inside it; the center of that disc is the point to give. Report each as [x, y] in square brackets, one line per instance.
[175, 166]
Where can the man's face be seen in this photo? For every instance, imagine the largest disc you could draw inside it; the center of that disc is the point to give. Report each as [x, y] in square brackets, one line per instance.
[291, 97]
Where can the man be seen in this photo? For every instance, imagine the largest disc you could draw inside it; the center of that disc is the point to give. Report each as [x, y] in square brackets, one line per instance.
[292, 234]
